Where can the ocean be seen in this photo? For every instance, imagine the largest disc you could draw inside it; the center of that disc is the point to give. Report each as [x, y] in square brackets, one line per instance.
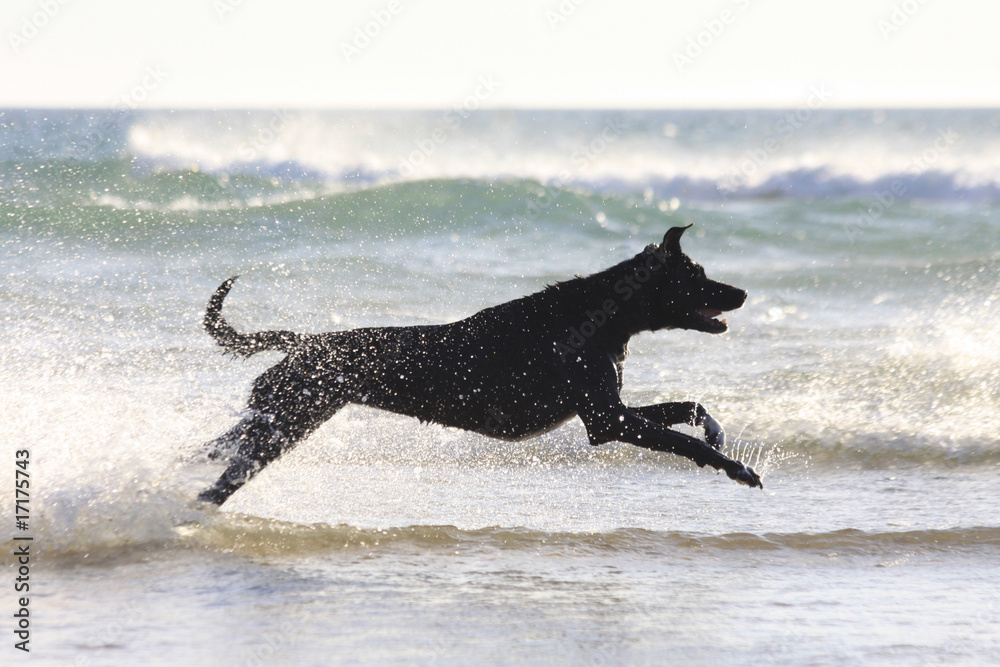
[861, 379]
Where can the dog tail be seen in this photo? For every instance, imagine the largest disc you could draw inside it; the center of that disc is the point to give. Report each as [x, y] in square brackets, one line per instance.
[243, 345]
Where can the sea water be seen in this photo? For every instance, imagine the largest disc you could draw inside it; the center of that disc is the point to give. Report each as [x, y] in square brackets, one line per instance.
[861, 379]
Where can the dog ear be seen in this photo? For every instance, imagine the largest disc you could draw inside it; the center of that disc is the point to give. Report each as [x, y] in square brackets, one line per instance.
[672, 240]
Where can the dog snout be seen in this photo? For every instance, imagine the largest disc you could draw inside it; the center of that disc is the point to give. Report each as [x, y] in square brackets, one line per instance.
[730, 298]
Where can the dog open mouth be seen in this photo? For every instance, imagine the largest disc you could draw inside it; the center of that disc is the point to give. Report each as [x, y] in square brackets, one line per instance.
[705, 320]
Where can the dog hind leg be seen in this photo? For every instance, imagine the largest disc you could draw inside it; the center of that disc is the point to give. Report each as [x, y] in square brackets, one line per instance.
[286, 406]
[259, 444]
[224, 446]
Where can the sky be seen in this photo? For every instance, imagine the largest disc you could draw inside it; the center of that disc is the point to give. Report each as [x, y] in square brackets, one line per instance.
[512, 54]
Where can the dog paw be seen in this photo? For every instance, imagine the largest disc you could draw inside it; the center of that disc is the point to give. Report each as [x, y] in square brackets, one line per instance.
[745, 475]
[714, 433]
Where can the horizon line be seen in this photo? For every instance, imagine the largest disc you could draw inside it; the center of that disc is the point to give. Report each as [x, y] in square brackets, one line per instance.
[382, 108]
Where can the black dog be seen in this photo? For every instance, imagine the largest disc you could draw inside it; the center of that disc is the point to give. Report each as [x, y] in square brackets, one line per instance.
[513, 371]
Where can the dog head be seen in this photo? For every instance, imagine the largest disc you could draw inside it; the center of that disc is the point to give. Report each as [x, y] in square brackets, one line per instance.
[685, 297]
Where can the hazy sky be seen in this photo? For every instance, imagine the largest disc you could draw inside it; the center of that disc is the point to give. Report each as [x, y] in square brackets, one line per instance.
[516, 53]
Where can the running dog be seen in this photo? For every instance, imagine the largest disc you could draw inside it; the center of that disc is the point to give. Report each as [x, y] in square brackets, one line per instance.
[512, 371]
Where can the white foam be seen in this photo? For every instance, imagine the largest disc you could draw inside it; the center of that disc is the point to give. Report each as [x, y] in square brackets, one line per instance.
[378, 147]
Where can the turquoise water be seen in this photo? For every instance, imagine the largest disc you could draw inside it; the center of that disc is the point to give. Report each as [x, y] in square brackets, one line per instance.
[861, 379]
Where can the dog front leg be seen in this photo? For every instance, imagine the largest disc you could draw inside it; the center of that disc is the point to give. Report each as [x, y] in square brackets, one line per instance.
[618, 423]
[592, 381]
[688, 412]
